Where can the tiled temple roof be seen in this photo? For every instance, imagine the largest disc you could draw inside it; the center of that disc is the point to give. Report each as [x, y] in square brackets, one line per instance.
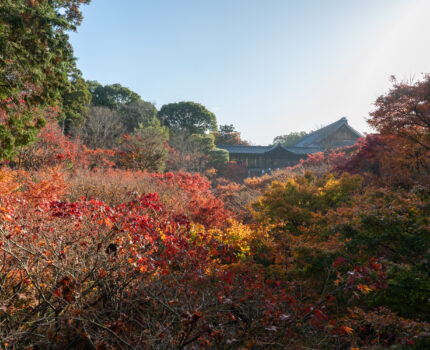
[316, 138]
[311, 143]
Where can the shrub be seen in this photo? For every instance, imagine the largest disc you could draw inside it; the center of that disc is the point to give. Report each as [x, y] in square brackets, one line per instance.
[181, 193]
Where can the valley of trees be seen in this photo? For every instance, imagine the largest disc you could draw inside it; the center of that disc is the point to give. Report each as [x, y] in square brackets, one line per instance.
[125, 227]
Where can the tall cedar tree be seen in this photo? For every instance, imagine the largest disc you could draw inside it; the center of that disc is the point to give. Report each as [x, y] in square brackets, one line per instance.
[36, 65]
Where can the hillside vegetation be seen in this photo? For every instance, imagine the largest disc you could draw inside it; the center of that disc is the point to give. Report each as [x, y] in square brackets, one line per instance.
[124, 227]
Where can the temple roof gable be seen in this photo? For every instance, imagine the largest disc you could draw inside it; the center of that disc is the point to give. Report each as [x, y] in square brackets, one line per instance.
[320, 136]
[337, 134]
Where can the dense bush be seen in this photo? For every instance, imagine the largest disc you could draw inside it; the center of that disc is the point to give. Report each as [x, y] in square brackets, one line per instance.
[330, 254]
[87, 275]
[364, 249]
[181, 193]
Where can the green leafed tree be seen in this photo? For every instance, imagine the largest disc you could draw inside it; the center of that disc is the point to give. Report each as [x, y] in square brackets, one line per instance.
[112, 96]
[290, 139]
[137, 113]
[227, 135]
[76, 101]
[218, 157]
[191, 117]
[205, 144]
[36, 65]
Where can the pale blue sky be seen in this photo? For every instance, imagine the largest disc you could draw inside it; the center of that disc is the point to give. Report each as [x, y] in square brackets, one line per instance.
[267, 66]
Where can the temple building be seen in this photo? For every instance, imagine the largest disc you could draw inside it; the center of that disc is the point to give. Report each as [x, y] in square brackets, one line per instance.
[259, 160]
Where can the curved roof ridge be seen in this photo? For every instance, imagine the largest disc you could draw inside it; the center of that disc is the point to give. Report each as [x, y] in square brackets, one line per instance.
[320, 134]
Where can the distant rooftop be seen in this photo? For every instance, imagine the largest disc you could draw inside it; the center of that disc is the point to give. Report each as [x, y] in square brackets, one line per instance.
[312, 143]
[266, 149]
[316, 138]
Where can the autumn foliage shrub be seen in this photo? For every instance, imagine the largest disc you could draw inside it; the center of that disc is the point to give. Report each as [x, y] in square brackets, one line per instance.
[233, 172]
[393, 227]
[317, 163]
[181, 193]
[364, 248]
[388, 160]
[293, 203]
[88, 275]
[53, 148]
[236, 197]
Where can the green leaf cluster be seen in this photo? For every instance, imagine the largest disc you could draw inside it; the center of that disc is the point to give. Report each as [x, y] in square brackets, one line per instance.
[394, 225]
[290, 139]
[191, 117]
[205, 143]
[113, 96]
[37, 66]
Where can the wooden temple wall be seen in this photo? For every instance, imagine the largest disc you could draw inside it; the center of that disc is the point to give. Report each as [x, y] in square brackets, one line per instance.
[251, 161]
